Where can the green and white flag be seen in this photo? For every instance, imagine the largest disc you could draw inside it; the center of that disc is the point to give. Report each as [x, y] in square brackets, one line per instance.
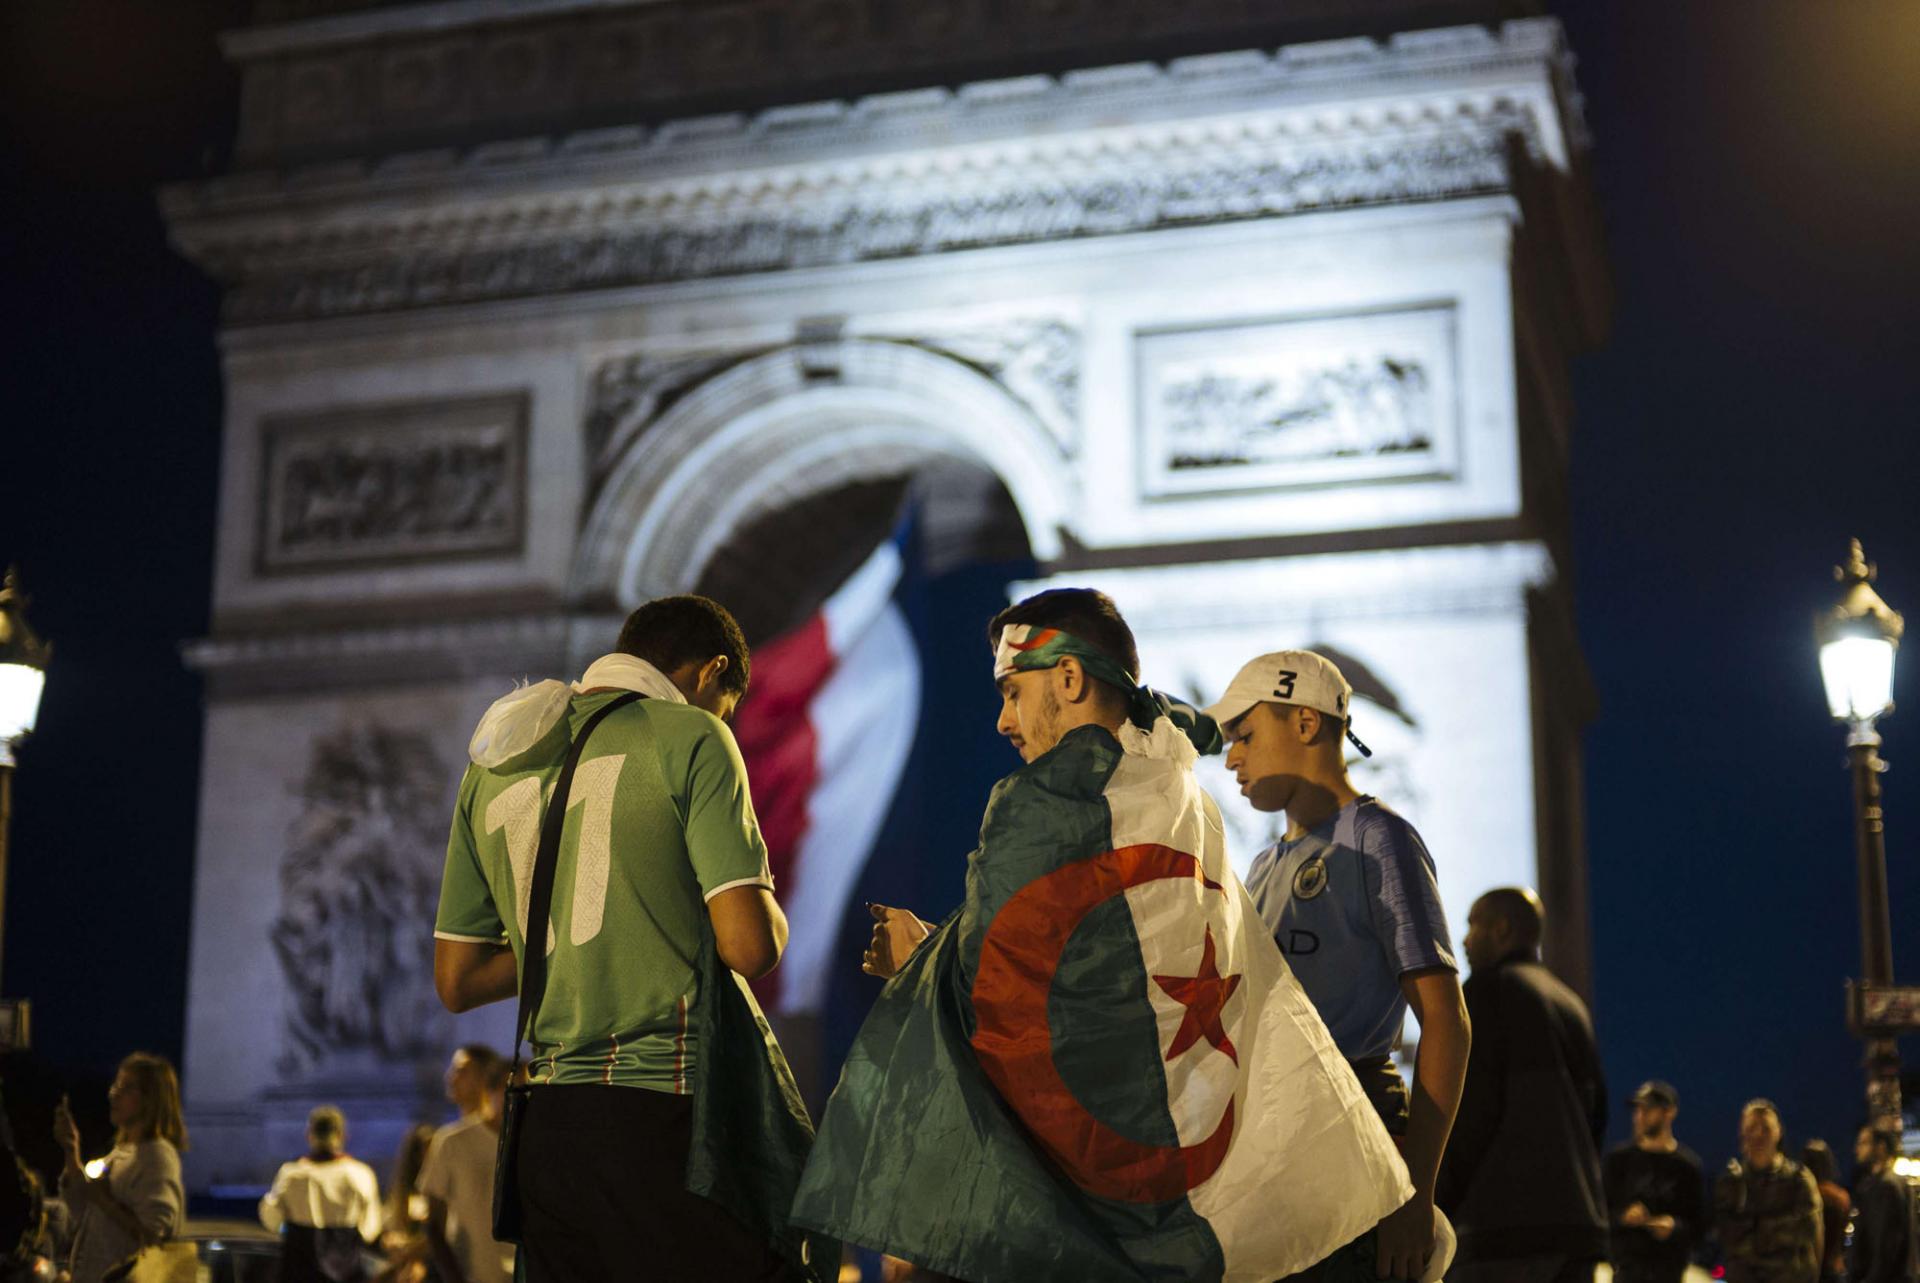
[1099, 1067]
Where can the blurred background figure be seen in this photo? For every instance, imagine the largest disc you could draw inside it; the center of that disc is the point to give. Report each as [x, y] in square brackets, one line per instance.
[468, 1071]
[325, 1205]
[1766, 1207]
[1521, 1178]
[403, 1235]
[457, 1180]
[133, 1200]
[1835, 1205]
[1881, 1251]
[1656, 1193]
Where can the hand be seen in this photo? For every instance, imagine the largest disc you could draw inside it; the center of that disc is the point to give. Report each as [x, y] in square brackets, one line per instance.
[1404, 1241]
[1661, 1227]
[1635, 1216]
[67, 1136]
[895, 935]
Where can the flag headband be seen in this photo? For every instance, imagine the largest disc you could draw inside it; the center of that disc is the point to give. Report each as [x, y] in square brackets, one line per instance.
[1027, 648]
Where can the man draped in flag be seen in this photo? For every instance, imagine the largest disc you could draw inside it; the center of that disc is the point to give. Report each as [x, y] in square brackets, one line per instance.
[1099, 1067]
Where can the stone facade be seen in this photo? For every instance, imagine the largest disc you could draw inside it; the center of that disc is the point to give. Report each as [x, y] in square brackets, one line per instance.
[1268, 341]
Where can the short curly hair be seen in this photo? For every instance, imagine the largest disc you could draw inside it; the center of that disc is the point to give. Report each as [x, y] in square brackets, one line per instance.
[669, 632]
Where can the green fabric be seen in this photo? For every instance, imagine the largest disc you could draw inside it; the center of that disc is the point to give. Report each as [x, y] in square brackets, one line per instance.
[659, 818]
[918, 1154]
[750, 1128]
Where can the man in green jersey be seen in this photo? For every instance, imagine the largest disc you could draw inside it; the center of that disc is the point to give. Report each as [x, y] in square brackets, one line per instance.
[646, 1047]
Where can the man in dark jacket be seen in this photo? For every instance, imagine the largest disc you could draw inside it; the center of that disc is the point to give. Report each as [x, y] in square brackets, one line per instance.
[1521, 1178]
[1766, 1207]
[1656, 1192]
[1882, 1218]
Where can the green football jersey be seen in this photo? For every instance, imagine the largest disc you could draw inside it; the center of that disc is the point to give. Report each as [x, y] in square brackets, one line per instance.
[659, 821]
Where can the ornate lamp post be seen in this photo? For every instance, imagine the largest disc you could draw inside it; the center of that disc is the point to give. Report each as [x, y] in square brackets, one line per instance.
[1858, 638]
[23, 672]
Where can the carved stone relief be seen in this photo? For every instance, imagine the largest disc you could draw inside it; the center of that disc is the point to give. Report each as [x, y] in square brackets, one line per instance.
[1299, 402]
[1036, 359]
[394, 483]
[630, 392]
[820, 229]
[360, 875]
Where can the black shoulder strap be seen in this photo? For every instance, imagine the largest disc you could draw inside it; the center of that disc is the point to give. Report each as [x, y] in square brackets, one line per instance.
[533, 950]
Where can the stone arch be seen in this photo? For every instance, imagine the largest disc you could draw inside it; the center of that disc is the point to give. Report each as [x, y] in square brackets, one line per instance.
[790, 424]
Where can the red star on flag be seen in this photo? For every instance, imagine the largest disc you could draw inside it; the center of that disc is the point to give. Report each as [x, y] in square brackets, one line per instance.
[1205, 997]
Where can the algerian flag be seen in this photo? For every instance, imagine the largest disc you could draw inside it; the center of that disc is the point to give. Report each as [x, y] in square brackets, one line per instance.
[1100, 1067]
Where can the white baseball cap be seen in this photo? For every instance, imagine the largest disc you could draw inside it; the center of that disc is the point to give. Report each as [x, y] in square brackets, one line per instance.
[1298, 677]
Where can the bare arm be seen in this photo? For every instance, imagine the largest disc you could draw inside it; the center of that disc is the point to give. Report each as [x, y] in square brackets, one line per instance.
[444, 1262]
[1439, 1073]
[468, 975]
[749, 929]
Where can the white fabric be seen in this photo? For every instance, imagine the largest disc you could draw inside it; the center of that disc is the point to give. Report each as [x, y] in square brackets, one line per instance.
[1004, 650]
[864, 718]
[517, 720]
[324, 1195]
[629, 673]
[1310, 1166]
[459, 1172]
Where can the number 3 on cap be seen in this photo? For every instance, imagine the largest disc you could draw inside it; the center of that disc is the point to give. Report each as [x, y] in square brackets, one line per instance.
[1283, 688]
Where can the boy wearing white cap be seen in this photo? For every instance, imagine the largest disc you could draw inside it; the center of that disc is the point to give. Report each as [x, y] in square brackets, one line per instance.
[1350, 895]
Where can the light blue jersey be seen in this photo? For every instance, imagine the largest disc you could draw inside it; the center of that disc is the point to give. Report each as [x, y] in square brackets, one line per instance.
[1354, 906]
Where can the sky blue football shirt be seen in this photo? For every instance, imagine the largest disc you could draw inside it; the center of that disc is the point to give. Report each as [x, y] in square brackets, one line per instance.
[1354, 906]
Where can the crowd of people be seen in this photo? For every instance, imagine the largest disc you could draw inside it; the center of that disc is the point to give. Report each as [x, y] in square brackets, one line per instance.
[1114, 1060]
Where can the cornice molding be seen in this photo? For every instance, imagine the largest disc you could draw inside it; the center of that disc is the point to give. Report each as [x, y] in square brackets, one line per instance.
[1222, 138]
[537, 644]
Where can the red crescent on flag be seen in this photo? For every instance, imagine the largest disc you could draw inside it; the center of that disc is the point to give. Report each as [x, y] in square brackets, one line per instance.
[1015, 1042]
[1036, 641]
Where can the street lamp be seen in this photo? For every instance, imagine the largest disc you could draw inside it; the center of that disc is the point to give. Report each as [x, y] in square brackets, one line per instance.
[23, 673]
[1858, 637]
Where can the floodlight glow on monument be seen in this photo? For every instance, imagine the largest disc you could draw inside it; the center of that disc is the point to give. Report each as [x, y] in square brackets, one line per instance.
[1858, 638]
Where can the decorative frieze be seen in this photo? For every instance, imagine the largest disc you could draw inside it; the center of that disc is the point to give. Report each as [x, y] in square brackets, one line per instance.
[393, 483]
[1303, 402]
[326, 85]
[673, 239]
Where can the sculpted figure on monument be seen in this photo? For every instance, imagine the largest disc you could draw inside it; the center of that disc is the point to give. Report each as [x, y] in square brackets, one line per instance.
[362, 871]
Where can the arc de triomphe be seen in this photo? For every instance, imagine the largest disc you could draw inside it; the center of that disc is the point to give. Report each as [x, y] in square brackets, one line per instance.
[1256, 316]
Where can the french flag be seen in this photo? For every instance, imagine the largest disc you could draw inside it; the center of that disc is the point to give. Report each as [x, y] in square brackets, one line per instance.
[834, 708]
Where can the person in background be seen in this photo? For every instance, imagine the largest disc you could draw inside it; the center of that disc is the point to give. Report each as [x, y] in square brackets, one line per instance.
[137, 1200]
[1835, 1208]
[1882, 1222]
[469, 1070]
[1656, 1193]
[1522, 1175]
[325, 1206]
[1766, 1207]
[403, 1235]
[457, 1179]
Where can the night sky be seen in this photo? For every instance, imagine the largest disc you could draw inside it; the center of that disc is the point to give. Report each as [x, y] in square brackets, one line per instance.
[1755, 407]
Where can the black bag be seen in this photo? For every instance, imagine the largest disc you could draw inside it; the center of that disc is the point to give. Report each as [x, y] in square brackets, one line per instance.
[533, 980]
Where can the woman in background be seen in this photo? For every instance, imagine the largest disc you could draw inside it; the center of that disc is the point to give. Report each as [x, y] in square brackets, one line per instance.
[136, 1202]
[1835, 1206]
[405, 1238]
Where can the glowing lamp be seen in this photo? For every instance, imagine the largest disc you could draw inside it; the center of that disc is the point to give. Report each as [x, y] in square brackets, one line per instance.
[23, 669]
[1858, 637]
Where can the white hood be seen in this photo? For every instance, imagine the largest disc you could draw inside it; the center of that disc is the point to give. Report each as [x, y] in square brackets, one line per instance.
[521, 718]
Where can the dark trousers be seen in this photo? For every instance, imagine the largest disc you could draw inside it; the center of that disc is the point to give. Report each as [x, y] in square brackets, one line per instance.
[602, 1186]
